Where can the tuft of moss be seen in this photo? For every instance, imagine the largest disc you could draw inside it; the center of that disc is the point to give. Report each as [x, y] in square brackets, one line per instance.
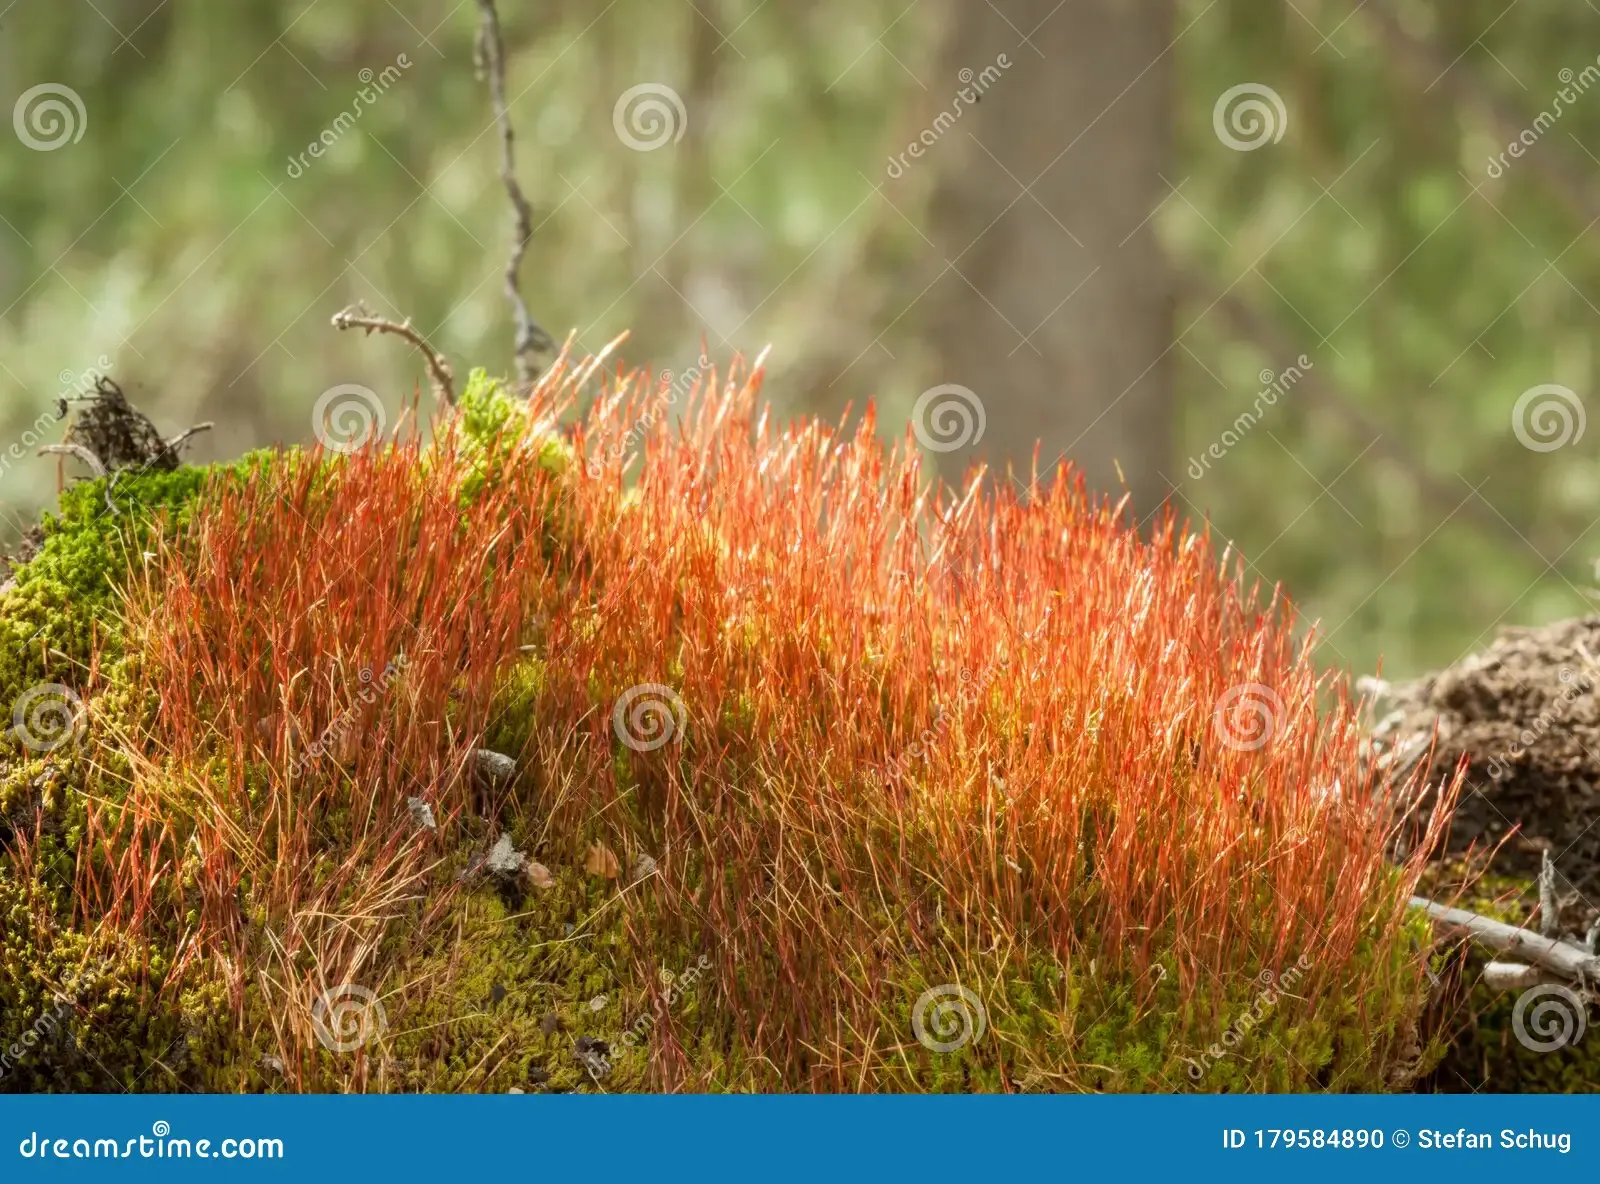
[600, 981]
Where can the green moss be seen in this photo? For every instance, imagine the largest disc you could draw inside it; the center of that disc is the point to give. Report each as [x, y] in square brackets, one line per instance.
[62, 602]
[101, 1013]
[504, 989]
[494, 988]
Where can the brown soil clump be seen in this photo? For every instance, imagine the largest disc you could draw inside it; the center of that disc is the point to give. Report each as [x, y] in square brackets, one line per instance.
[1525, 716]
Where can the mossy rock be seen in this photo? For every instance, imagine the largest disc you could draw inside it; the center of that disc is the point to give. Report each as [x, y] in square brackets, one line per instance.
[576, 979]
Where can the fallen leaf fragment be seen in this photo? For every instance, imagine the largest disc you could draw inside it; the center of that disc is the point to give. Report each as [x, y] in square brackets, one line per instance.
[602, 861]
[539, 876]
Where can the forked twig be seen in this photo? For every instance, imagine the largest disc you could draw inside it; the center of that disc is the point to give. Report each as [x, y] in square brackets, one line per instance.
[1570, 961]
[356, 317]
[489, 56]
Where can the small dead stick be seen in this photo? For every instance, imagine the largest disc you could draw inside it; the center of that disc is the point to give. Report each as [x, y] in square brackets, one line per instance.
[1569, 961]
[356, 317]
[98, 467]
[489, 56]
[177, 441]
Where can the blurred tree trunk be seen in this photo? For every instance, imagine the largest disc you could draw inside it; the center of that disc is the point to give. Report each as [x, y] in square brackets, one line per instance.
[1056, 308]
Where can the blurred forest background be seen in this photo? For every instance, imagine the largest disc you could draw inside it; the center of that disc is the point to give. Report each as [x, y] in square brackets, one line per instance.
[1123, 220]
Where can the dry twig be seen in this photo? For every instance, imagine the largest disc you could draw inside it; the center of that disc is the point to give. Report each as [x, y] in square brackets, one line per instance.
[356, 317]
[1571, 961]
[489, 55]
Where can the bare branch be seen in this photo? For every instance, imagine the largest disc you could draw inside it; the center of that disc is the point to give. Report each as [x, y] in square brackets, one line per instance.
[1514, 976]
[177, 441]
[531, 339]
[1570, 961]
[356, 317]
[78, 451]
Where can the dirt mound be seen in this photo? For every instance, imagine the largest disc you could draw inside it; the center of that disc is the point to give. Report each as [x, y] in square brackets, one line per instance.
[1525, 716]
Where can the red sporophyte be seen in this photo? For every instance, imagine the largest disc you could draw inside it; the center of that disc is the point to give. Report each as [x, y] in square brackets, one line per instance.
[919, 727]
